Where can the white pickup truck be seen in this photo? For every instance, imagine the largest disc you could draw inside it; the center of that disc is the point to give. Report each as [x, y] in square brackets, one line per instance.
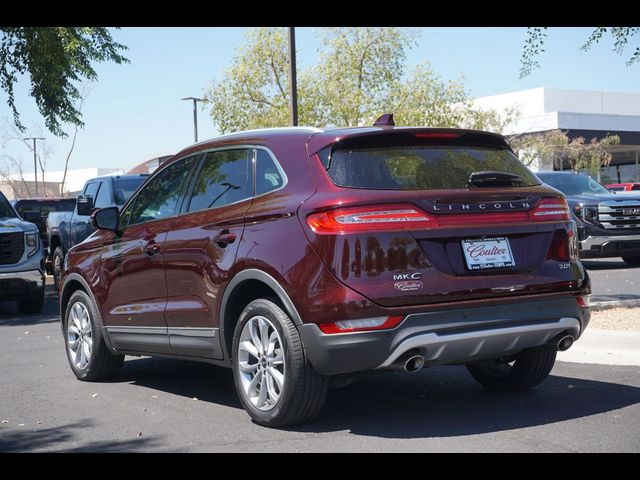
[21, 261]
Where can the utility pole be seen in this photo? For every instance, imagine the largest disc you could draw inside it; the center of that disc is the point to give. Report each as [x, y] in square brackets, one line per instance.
[35, 161]
[195, 115]
[293, 89]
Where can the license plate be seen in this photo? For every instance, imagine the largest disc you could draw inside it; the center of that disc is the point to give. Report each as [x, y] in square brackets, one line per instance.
[486, 253]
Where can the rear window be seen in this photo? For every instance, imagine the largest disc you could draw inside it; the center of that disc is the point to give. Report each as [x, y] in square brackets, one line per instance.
[125, 187]
[421, 167]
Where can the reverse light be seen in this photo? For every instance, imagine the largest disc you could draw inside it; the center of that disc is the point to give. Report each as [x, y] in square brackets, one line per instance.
[31, 240]
[376, 218]
[584, 300]
[361, 324]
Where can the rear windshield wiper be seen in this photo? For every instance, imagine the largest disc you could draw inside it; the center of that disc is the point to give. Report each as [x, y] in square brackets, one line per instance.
[494, 179]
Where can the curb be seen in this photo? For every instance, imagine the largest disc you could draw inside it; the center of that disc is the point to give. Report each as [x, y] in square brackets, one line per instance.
[604, 347]
[597, 306]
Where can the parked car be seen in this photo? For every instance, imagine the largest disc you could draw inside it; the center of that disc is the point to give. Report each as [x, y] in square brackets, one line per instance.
[21, 259]
[65, 229]
[624, 187]
[301, 257]
[608, 223]
[42, 208]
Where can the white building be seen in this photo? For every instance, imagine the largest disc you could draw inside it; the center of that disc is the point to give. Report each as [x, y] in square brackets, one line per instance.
[582, 113]
[17, 186]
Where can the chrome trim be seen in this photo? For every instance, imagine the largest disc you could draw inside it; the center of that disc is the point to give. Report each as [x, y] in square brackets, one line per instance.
[450, 347]
[592, 241]
[28, 276]
[193, 331]
[145, 330]
[131, 199]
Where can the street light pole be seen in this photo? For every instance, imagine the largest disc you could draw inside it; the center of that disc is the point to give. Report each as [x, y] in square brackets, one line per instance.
[293, 89]
[195, 115]
[35, 161]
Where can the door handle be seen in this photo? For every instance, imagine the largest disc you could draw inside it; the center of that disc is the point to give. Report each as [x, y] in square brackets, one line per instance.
[151, 248]
[224, 238]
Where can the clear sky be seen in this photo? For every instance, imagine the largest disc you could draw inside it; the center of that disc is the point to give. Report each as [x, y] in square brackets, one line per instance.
[134, 111]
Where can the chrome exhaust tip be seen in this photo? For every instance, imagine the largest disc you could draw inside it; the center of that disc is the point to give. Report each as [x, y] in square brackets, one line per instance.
[414, 363]
[565, 343]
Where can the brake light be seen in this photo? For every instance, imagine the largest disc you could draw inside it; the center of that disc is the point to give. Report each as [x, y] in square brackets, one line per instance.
[559, 248]
[361, 324]
[436, 135]
[550, 209]
[584, 300]
[376, 218]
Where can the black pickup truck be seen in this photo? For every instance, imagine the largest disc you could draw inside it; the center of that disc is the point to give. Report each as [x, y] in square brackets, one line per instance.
[66, 229]
[608, 223]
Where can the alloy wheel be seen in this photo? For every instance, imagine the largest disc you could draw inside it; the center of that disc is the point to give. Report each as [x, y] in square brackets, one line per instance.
[79, 335]
[261, 363]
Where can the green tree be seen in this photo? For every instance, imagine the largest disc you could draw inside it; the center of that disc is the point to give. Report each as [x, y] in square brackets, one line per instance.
[536, 36]
[360, 73]
[55, 59]
[555, 145]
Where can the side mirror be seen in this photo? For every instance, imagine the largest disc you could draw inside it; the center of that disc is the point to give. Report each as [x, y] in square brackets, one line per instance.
[32, 216]
[85, 204]
[106, 218]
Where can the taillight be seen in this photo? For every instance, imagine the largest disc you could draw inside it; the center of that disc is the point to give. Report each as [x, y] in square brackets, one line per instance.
[559, 248]
[375, 218]
[550, 209]
[361, 324]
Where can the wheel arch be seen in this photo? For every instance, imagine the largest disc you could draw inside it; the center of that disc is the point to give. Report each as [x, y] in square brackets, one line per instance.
[72, 283]
[245, 287]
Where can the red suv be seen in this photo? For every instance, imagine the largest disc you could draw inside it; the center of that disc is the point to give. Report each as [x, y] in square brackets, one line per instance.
[301, 257]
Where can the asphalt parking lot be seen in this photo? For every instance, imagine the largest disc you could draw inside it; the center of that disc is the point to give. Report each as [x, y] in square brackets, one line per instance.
[168, 405]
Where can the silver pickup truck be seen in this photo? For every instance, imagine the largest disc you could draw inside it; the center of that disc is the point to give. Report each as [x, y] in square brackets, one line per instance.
[21, 260]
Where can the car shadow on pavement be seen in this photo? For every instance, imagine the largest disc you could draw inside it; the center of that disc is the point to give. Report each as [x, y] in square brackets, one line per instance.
[57, 439]
[435, 402]
[10, 316]
[446, 402]
[207, 383]
[618, 264]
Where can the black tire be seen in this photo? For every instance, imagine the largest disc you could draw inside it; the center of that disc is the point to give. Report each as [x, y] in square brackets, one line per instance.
[57, 261]
[32, 305]
[102, 364]
[530, 368]
[304, 390]
[632, 261]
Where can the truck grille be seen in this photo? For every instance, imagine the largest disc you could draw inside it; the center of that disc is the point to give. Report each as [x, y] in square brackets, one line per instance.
[619, 215]
[11, 247]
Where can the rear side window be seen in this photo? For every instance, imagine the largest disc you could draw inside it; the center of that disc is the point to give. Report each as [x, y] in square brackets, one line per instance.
[635, 187]
[268, 176]
[421, 167]
[225, 178]
[102, 200]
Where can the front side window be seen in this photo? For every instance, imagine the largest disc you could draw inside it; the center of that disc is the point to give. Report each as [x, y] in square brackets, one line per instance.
[159, 197]
[225, 178]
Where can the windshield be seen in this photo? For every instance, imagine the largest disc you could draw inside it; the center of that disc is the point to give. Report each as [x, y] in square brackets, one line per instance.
[422, 167]
[5, 207]
[125, 188]
[574, 184]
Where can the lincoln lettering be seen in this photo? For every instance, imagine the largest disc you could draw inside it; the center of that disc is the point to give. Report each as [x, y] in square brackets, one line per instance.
[479, 250]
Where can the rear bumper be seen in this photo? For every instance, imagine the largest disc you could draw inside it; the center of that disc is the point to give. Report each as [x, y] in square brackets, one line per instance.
[595, 246]
[447, 336]
[20, 285]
